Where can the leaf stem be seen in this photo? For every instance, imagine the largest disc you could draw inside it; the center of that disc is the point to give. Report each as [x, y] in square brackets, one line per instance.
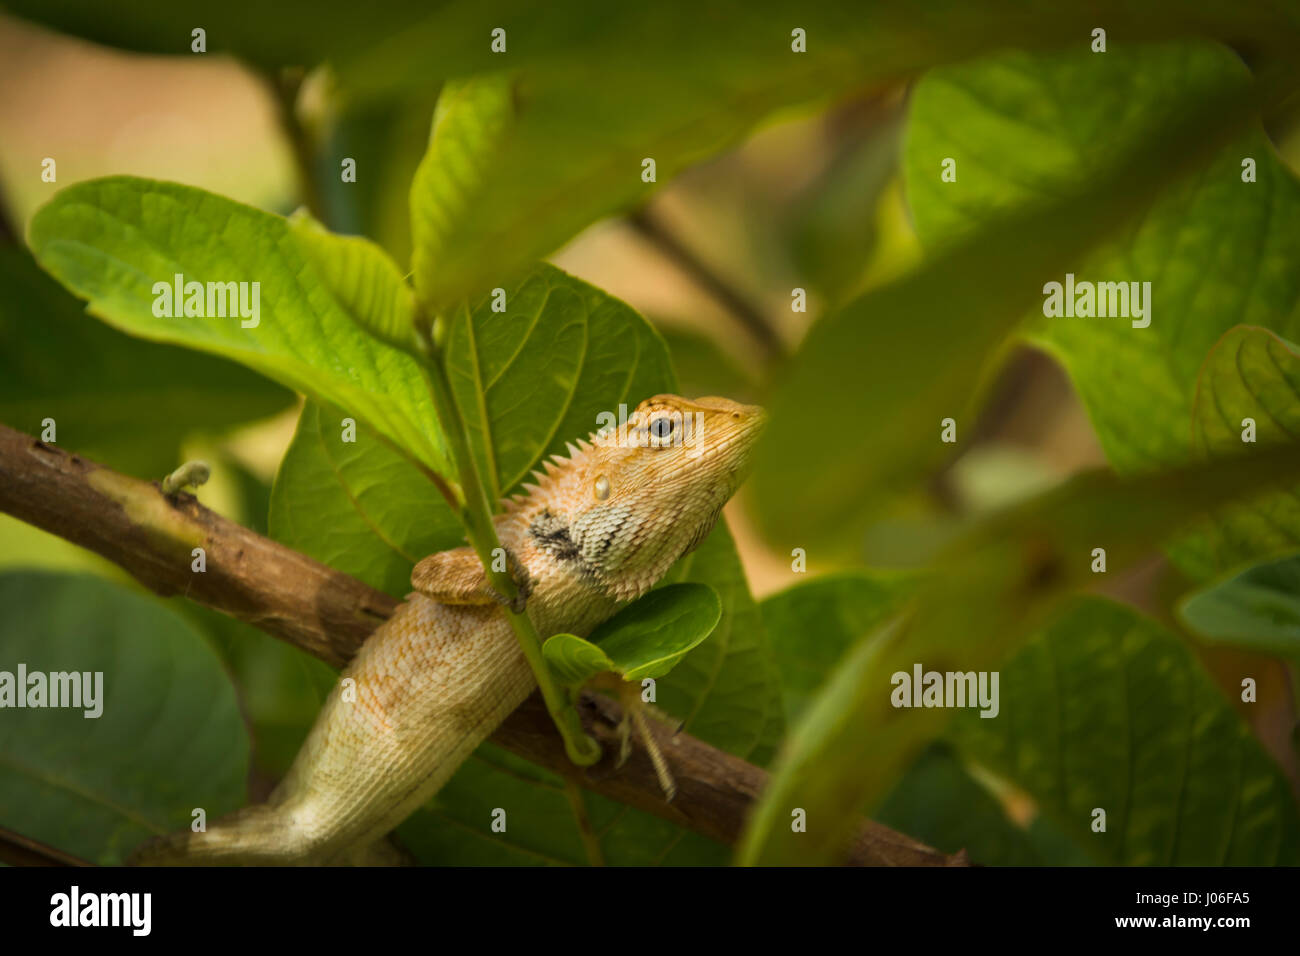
[475, 513]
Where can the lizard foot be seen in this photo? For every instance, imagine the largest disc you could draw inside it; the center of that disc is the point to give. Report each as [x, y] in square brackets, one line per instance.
[523, 584]
[634, 715]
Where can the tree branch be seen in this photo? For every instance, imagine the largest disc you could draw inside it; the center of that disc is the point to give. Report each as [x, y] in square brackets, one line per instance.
[329, 614]
[18, 850]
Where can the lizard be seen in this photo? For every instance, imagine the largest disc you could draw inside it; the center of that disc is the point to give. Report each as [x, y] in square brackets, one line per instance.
[592, 532]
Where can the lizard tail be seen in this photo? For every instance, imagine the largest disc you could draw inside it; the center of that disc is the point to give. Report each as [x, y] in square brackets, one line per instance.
[260, 835]
[252, 835]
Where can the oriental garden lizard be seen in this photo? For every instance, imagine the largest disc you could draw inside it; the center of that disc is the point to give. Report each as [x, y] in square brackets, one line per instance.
[596, 530]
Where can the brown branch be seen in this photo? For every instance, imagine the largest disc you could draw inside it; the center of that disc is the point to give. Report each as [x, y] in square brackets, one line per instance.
[18, 850]
[329, 614]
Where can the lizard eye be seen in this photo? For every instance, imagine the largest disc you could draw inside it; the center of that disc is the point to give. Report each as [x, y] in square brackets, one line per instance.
[662, 427]
[602, 488]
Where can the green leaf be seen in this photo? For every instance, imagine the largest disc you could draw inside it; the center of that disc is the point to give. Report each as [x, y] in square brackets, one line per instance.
[988, 594]
[110, 240]
[469, 126]
[1216, 250]
[1250, 375]
[362, 278]
[648, 638]
[351, 504]
[536, 376]
[591, 95]
[909, 361]
[126, 403]
[1258, 609]
[280, 688]
[941, 804]
[169, 737]
[1106, 709]
[727, 690]
[575, 660]
[812, 625]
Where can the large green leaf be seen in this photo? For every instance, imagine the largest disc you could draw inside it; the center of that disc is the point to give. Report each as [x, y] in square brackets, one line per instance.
[1258, 608]
[727, 690]
[362, 278]
[1217, 251]
[527, 162]
[648, 638]
[110, 240]
[126, 403]
[812, 625]
[536, 376]
[915, 353]
[1106, 709]
[280, 688]
[990, 592]
[1247, 389]
[357, 506]
[169, 738]
[940, 803]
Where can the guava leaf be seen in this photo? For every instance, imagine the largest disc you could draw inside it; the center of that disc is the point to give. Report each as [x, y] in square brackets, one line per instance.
[575, 660]
[916, 353]
[168, 739]
[645, 639]
[1258, 608]
[1245, 397]
[362, 278]
[990, 592]
[1108, 710]
[111, 240]
[1217, 250]
[126, 403]
[537, 141]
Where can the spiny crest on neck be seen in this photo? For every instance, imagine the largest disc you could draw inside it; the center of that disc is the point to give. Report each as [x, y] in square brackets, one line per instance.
[546, 477]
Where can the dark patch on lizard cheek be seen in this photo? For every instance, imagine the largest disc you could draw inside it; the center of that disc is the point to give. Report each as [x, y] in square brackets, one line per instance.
[552, 536]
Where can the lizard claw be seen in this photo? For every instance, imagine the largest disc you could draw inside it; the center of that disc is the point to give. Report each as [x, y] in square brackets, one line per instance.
[523, 585]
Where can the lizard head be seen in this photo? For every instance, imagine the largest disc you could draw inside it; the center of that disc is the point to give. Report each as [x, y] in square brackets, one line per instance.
[640, 494]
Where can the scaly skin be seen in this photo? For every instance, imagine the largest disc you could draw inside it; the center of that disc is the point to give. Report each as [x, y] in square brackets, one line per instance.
[597, 530]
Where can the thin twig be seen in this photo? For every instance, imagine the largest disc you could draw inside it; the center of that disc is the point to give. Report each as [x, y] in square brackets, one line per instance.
[745, 310]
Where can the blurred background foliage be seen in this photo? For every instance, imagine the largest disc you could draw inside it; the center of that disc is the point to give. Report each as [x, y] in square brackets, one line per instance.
[775, 171]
